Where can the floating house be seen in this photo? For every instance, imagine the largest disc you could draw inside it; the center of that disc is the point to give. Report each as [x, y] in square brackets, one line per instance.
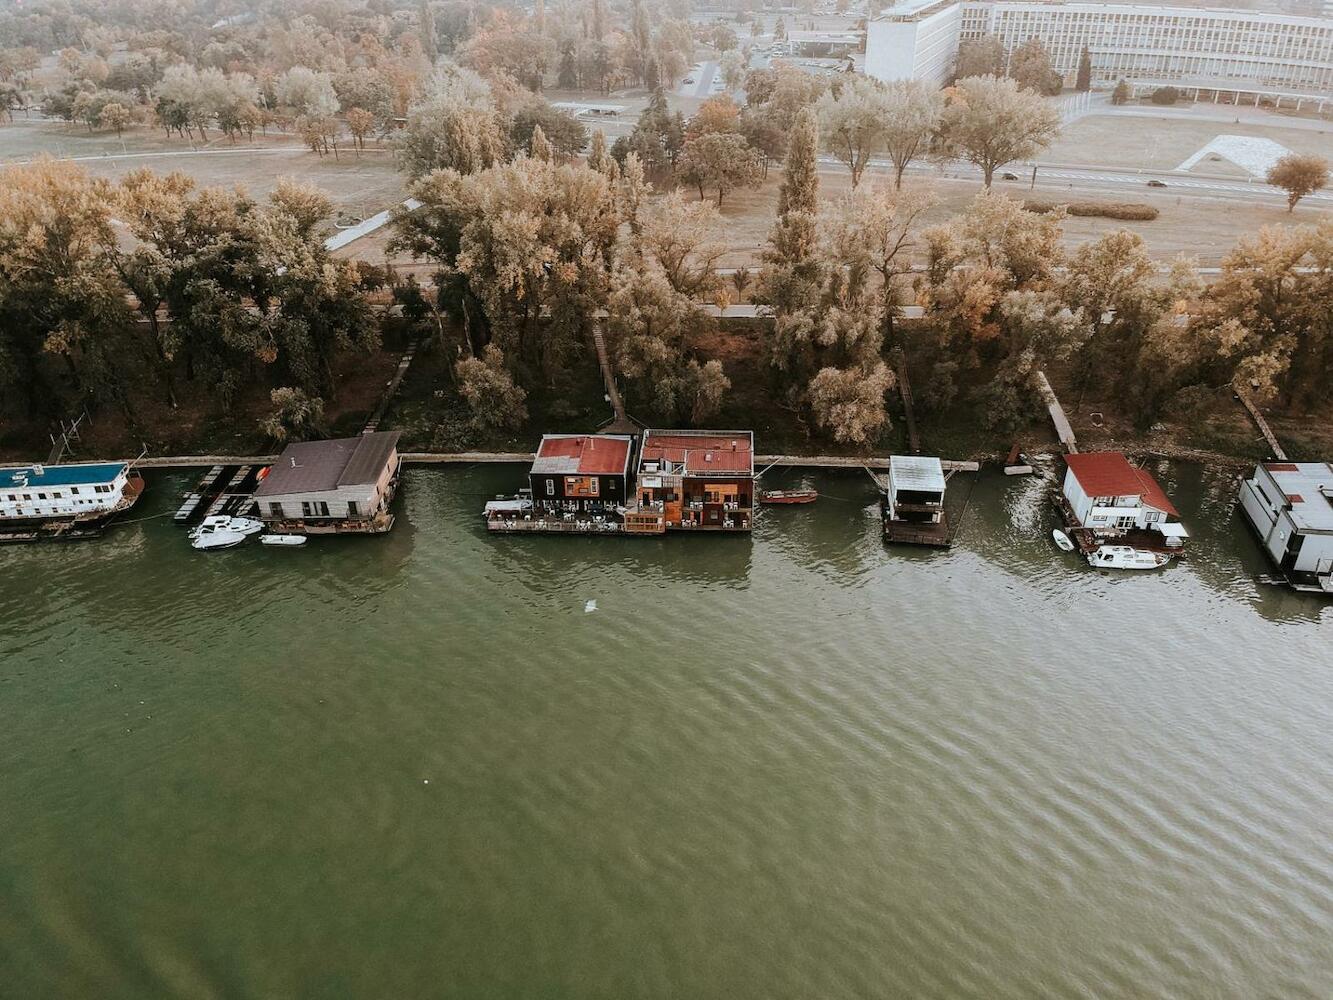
[1105, 497]
[343, 486]
[913, 504]
[76, 500]
[1290, 507]
[693, 481]
[582, 476]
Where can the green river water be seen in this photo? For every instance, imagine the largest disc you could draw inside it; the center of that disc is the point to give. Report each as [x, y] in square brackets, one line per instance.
[792, 765]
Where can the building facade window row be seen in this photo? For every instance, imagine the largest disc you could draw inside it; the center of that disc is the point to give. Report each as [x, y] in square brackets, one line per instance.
[1187, 47]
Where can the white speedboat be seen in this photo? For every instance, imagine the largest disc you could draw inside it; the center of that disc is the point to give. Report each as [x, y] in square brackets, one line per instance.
[282, 539]
[214, 536]
[1062, 540]
[1126, 557]
[225, 522]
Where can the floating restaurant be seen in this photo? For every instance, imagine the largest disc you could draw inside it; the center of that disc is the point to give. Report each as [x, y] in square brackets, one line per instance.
[342, 486]
[68, 502]
[595, 483]
[1112, 507]
[1290, 507]
[694, 481]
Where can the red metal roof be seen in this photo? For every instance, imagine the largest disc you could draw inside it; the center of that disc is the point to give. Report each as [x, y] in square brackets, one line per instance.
[719, 452]
[1109, 474]
[589, 454]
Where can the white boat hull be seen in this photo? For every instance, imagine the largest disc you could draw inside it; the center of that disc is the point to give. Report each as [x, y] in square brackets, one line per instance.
[282, 539]
[1126, 557]
[212, 540]
[1062, 540]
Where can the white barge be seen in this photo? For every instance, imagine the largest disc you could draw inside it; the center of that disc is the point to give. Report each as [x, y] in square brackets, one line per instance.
[1290, 507]
[68, 502]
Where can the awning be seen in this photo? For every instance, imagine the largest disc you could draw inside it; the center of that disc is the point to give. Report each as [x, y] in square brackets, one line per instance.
[1172, 529]
[508, 506]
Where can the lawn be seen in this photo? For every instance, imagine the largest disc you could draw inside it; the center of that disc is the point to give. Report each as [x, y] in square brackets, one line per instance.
[1164, 143]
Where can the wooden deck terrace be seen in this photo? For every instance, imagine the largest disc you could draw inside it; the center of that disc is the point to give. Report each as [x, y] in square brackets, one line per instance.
[1089, 540]
[376, 525]
[553, 526]
[915, 533]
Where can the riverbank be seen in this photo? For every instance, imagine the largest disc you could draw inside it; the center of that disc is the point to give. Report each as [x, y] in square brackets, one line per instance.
[433, 419]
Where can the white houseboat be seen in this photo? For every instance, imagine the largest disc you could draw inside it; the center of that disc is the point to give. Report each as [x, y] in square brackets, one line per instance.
[69, 501]
[1106, 499]
[1290, 507]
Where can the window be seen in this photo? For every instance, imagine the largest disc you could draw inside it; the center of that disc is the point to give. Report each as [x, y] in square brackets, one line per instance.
[275, 510]
[352, 509]
[550, 487]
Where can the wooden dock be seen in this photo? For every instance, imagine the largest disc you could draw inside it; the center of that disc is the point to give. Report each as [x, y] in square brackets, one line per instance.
[1262, 424]
[391, 388]
[1063, 430]
[905, 391]
[621, 423]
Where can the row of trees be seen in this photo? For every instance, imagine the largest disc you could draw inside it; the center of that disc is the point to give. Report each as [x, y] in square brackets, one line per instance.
[350, 54]
[211, 286]
[988, 121]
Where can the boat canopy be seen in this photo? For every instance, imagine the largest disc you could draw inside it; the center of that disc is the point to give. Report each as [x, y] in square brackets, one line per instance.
[508, 506]
[1172, 529]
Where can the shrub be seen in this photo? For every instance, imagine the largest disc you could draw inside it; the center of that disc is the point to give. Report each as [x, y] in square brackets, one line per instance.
[1165, 95]
[1126, 211]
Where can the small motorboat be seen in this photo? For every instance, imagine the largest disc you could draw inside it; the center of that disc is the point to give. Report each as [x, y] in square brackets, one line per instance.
[788, 496]
[209, 537]
[1126, 557]
[282, 539]
[225, 522]
[1065, 543]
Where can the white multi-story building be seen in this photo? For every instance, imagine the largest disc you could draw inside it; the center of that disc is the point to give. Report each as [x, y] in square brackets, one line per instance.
[1210, 54]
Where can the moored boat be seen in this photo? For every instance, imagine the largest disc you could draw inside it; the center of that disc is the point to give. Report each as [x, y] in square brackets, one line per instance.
[282, 539]
[1126, 557]
[77, 500]
[223, 522]
[214, 536]
[788, 496]
[1062, 540]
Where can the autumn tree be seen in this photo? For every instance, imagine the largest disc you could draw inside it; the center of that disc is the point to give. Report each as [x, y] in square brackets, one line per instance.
[973, 264]
[456, 127]
[296, 416]
[1121, 94]
[912, 110]
[722, 161]
[523, 251]
[1030, 66]
[488, 388]
[566, 134]
[852, 122]
[990, 122]
[873, 234]
[849, 403]
[360, 123]
[1083, 79]
[114, 116]
[984, 56]
[60, 299]
[1298, 174]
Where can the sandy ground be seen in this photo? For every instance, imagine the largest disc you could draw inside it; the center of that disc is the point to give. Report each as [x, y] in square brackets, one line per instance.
[1164, 143]
[359, 185]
